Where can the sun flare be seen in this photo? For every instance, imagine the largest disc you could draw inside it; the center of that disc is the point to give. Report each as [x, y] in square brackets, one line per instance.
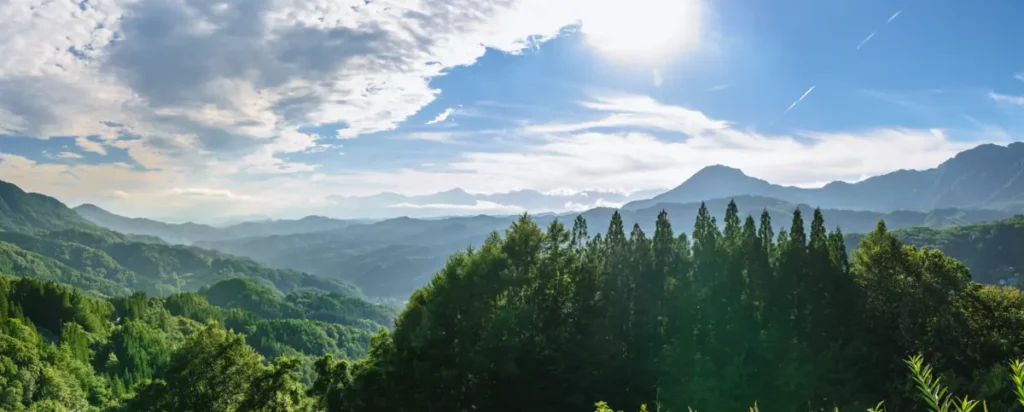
[642, 31]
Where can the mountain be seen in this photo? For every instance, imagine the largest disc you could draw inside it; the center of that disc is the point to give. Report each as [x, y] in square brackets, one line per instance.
[187, 233]
[985, 177]
[171, 232]
[40, 237]
[33, 212]
[391, 258]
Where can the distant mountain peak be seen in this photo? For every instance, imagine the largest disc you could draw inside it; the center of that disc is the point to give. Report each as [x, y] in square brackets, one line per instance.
[455, 191]
[718, 172]
[988, 176]
[89, 207]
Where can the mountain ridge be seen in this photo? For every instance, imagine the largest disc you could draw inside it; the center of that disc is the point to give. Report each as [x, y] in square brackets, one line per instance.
[189, 232]
[988, 176]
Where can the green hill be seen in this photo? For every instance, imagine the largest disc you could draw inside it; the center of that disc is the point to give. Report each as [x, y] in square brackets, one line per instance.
[42, 238]
[994, 251]
[33, 212]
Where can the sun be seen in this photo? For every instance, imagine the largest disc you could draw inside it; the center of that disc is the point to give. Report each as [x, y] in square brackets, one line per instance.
[641, 31]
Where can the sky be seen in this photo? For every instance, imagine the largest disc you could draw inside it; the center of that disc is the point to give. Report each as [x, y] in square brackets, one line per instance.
[201, 110]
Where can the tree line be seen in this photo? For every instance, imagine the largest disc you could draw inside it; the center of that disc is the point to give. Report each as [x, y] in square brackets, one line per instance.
[555, 319]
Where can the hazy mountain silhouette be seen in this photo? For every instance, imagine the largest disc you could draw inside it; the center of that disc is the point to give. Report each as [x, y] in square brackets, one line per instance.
[985, 177]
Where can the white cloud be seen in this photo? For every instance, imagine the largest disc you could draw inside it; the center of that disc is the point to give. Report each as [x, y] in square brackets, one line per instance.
[579, 207]
[893, 17]
[656, 77]
[719, 87]
[224, 80]
[636, 111]
[441, 116]
[610, 154]
[88, 145]
[802, 96]
[440, 137]
[1006, 98]
[77, 182]
[1019, 76]
[481, 206]
[68, 155]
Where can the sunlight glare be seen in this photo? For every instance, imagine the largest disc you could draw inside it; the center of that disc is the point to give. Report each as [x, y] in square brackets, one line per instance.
[642, 31]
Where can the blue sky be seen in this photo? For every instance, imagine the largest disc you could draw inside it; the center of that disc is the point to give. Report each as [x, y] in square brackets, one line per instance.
[193, 110]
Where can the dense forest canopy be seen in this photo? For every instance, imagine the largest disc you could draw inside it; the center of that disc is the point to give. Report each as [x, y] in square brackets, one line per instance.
[544, 319]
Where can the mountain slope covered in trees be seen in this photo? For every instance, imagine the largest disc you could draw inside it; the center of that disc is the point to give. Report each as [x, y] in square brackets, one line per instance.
[394, 257]
[985, 177]
[63, 350]
[737, 313]
[994, 251]
[40, 237]
[33, 212]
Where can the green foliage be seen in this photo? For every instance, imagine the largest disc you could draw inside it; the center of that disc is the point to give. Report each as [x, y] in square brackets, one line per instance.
[991, 250]
[551, 319]
[63, 350]
[29, 264]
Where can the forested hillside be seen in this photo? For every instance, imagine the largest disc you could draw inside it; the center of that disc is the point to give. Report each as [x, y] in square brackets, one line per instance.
[994, 251]
[33, 212]
[42, 238]
[545, 319]
[62, 350]
[392, 258]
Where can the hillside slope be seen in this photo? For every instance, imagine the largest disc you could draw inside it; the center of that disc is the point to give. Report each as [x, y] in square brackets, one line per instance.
[42, 238]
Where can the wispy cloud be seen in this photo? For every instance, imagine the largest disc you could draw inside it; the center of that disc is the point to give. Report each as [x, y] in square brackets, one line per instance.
[631, 111]
[442, 116]
[656, 74]
[90, 146]
[69, 155]
[893, 17]
[866, 40]
[802, 96]
[1019, 76]
[1006, 98]
[440, 137]
[479, 206]
[719, 87]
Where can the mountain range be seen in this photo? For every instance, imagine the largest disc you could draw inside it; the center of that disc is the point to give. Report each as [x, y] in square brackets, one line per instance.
[392, 257]
[985, 177]
[186, 233]
[40, 237]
